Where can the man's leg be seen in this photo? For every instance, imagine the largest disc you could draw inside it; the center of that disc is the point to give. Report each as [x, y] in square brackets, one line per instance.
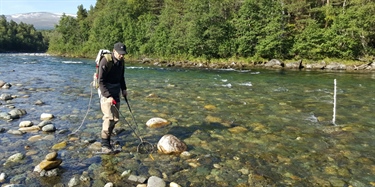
[110, 118]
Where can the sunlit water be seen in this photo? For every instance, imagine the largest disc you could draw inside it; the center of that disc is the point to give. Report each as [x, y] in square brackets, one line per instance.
[251, 128]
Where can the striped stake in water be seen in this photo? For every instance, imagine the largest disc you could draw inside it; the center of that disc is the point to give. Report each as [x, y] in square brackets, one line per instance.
[334, 104]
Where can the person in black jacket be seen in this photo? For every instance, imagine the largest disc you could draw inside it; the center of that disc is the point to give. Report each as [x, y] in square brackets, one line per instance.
[111, 86]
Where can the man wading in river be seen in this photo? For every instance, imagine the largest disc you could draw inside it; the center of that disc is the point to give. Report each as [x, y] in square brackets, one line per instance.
[111, 84]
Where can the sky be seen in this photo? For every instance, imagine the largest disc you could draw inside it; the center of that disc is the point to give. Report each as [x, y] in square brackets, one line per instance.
[9, 7]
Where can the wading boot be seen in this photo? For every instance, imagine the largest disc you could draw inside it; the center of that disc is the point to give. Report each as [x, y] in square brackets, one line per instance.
[106, 147]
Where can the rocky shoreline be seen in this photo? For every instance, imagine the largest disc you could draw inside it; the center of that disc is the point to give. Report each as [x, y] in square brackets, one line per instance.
[49, 167]
[271, 64]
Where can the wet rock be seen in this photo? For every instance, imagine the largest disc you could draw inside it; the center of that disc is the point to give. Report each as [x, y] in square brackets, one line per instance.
[6, 86]
[15, 132]
[51, 156]
[335, 66]
[173, 184]
[185, 154]
[50, 173]
[2, 177]
[39, 102]
[35, 138]
[60, 145]
[47, 164]
[26, 124]
[210, 107]
[73, 181]
[14, 185]
[6, 97]
[96, 146]
[274, 63]
[109, 184]
[319, 65]
[170, 144]
[85, 177]
[15, 158]
[155, 172]
[135, 178]
[49, 128]
[2, 83]
[44, 123]
[4, 116]
[62, 131]
[237, 129]
[29, 129]
[125, 173]
[157, 122]
[154, 181]
[59, 185]
[213, 119]
[294, 65]
[46, 116]
[17, 113]
[50, 162]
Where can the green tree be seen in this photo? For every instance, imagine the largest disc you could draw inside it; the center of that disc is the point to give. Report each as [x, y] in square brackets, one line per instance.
[20, 37]
[273, 41]
[213, 29]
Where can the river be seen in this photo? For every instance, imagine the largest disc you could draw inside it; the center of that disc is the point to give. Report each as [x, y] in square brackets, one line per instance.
[243, 128]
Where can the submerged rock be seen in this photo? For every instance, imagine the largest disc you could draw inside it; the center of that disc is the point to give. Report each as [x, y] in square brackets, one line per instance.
[60, 145]
[15, 158]
[157, 122]
[156, 181]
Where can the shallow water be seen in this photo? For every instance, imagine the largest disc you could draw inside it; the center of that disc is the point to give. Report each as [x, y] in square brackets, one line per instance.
[256, 128]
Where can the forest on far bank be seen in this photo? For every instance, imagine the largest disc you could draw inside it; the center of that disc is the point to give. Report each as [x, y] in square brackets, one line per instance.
[211, 30]
[21, 37]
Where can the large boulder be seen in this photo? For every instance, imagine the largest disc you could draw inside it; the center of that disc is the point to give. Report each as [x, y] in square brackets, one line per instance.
[170, 144]
[274, 63]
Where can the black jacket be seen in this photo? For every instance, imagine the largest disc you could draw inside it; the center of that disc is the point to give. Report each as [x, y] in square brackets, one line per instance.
[111, 80]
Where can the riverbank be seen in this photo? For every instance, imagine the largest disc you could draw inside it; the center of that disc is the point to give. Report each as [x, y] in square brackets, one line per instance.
[271, 64]
[331, 65]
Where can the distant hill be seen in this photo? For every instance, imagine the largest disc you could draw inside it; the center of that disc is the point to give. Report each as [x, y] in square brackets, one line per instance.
[40, 20]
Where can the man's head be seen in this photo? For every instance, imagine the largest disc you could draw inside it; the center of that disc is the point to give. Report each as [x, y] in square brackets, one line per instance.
[120, 50]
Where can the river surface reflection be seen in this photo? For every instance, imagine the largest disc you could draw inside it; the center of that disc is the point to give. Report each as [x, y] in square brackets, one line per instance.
[257, 127]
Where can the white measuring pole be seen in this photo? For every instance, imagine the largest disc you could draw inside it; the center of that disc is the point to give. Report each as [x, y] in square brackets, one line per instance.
[334, 104]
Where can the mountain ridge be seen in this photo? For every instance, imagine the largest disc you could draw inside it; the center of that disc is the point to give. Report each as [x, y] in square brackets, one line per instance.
[40, 20]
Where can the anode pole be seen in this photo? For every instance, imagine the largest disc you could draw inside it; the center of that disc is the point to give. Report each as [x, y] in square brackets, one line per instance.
[334, 104]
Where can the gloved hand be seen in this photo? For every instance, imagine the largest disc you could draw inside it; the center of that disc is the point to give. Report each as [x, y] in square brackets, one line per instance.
[112, 101]
[124, 93]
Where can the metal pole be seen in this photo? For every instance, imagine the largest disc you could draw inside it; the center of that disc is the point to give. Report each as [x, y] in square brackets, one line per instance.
[334, 104]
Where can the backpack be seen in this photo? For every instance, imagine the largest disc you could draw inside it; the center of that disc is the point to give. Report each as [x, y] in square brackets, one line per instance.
[106, 54]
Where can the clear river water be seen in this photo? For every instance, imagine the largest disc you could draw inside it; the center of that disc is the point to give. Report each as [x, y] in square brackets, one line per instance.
[242, 128]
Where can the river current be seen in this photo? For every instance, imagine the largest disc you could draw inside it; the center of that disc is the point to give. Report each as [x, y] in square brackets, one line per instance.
[243, 128]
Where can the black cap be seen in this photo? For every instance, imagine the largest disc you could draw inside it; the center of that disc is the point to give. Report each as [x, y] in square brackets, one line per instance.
[120, 48]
